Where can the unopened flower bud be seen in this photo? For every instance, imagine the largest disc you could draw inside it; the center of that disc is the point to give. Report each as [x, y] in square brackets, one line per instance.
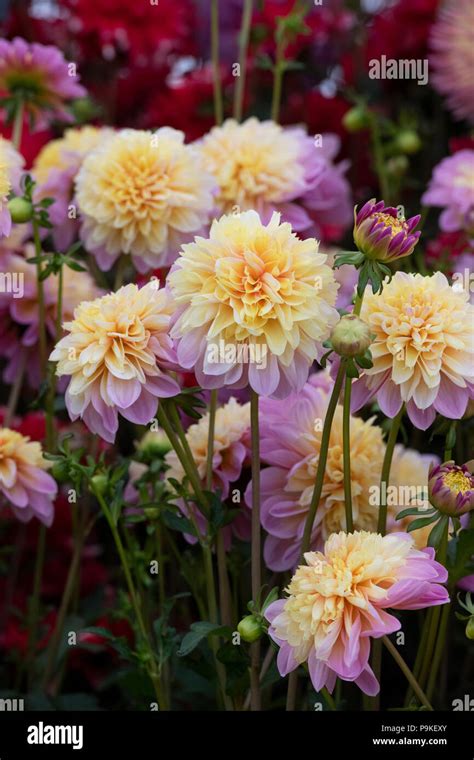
[21, 211]
[408, 141]
[155, 443]
[351, 336]
[355, 119]
[250, 628]
[99, 483]
[470, 628]
[451, 488]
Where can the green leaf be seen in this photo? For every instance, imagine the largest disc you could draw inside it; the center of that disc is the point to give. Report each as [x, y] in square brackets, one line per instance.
[413, 511]
[421, 523]
[436, 534]
[173, 521]
[200, 631]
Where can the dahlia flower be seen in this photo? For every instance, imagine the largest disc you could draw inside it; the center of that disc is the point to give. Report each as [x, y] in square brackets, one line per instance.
[10, 169]
[379, 233]
[423, 350]
[40, 77]
[290, 441]
[451, 488]
[261, 166]
[230, 454]
[255, 300]
[19, 333]
[116, 352]
[55, 168]
[24, 483]
[452, 188]
[339, 600]
[452, 58]
[408, 487]
[142, 193]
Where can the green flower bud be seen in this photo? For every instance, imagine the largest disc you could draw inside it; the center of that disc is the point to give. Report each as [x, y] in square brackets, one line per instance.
[20, 210]
[408, 141]
[59, 471]
[351, 336]
[250, 628]
[155, 443]
[83, 109]
[470, 628]
[152, 513]
[99, 483]
[355, 119]
[397, 166]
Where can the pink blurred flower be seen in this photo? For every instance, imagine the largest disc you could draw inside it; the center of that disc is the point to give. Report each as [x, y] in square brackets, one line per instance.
[41, 72]
[452, 188]
[338, 601]
[24, 483]
[452, 58]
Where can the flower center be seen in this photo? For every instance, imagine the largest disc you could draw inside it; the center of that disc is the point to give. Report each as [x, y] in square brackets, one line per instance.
[458, 481]
[395, 223]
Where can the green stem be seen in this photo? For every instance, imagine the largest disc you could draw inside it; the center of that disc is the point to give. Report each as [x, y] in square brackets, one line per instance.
[218, 106]
[239, 90]
[120, 271]
[50, 427]
[407, 672]
[386, 466]
[151, 663]
[346, 453]
[328, 698]
[323, 455]
[255, 694]
[278, 72]
[33, 617]
[419, 655]
[18, 125]
[210, 439]
[15, 392]
[442, 617]
[379, 158]
[41, 306]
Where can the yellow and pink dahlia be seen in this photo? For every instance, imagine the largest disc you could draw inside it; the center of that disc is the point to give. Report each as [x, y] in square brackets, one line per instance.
[338, 601]
[254, 301]
[116, 353]
[143, 193]
[423, 350]
[55, 169]
[261, 166]
[24, 483]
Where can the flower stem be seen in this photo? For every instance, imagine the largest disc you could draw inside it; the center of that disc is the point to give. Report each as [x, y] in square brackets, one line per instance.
[210, 439]
[33, 616]
[323, 455]
[386, 466]
[15, 391]
[379, 158]
[41, 306]
[18, 125]
[216, 73]
[151, 661]
[346, 453]
[443, 618]
[407, 672]
[50, 427]
[239, 90]
[278, 71]
[255, 699]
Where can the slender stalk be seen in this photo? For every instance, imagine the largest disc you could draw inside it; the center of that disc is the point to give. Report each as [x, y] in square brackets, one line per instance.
[346, 438]
[379, 159]
[210, 439]
[419, 655]
[443, 618]
[55, 640]
[407, 673]
[239, 90]
[255, 699]
[33, 616]
[41, 305]
[151, 662]
[50, 427]
[292, 691]
[346, 453]
[329, 698]
[120, 271]
[218, 106]
[278, 71]
[18, 125]
[323, 455]
[386, 466]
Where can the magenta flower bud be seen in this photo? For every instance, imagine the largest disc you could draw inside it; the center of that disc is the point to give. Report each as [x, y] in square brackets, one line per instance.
[451, 488]
[381, 234]
[351, 336]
